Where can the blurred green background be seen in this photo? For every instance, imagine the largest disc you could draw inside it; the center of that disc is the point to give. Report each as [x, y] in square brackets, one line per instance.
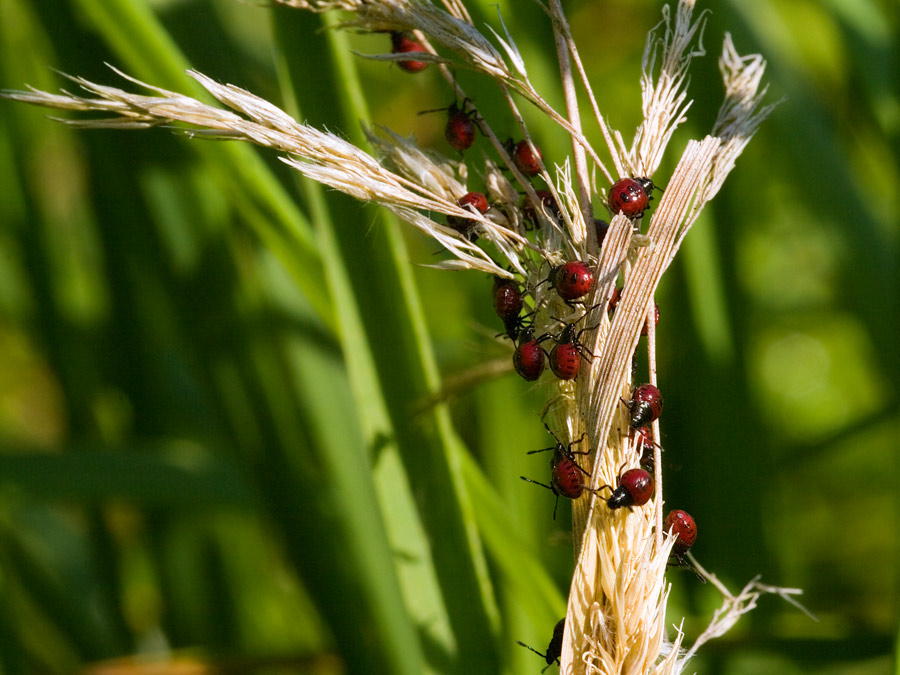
[215, 440]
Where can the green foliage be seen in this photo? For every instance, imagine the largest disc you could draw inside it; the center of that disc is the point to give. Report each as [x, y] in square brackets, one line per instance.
[214, 429]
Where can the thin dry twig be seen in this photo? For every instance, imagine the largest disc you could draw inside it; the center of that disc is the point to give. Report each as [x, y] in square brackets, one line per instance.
[734, 606]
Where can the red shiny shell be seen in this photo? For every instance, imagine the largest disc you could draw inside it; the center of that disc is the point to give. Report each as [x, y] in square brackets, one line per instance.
[649, 394]
[475, 199]
[639, 483]
[572, 280]
[684, 528]
[630, 196]
[401, 43]
[567, 478]
[507, 300]
[460, 131]
[527, 160]
[646, 405]
[565, 361]
[528, 360]
[635, 489]
[466, 226]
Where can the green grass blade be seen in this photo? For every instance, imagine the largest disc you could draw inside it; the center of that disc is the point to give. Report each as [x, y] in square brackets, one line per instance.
[390, 328]
[61, 605]
[316, 502]
[522, 568]
[155, 476]
[147, 52]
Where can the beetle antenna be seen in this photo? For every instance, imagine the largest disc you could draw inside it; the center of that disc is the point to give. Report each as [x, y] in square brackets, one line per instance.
[543, 655]
[434, 110]
[550, 431]
[529, 480]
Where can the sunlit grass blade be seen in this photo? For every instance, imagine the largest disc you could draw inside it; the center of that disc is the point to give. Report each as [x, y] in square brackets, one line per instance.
[147, 52]
[532, 586]
[151, 475]
[52, 600]
[379, 308]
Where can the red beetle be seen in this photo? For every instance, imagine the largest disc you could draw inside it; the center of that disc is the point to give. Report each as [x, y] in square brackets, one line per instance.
[646, 405]
[634, 488]
[566, 477]
[526, 157]
[528, 358]
[572, 280]
[565, 362]
[401, 43]
[466, 226]
[508, 305]
[565, 357]
[507, 298]
[460, 129]
[684, 529]
[475, 199]
[631, 196]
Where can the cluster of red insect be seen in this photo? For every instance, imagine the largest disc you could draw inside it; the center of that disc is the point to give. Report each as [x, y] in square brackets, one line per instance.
[567, 478]
[572, 281]
[645, 407]
[634, 487]
[630, 196]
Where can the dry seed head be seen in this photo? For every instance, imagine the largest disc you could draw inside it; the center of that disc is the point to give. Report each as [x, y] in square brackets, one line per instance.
[319, 155]
[619, 569]
[618, 595]
[456, 34]
[453, 30]
[732, 608]
[499, 189]
[665, 101]
[741, 112]
[436, 174]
